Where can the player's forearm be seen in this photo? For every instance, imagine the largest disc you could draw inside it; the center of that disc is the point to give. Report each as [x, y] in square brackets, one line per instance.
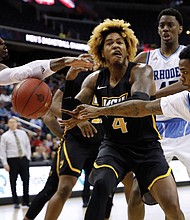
[53, 125]
[152, 108]
[133, 108]
[55, 128]
[37, 69]
[170, 90]
[126, 109]
[58, 63]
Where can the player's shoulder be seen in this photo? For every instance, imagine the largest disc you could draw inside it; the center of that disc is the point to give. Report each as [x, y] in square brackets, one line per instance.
[91, 79]
[142, 70]
[142, 66]
[181, 47]
[144, 56]
[180, 97]
[3, 66]
[185, 94]
[141, 57]
[94, 75]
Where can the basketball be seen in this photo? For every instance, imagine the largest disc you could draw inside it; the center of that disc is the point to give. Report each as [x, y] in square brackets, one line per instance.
[31, 98]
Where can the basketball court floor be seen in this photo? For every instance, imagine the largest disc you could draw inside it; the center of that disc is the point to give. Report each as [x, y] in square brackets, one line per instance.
[73, 209]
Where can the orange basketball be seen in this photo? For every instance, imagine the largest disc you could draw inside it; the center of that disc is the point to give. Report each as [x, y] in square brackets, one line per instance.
[31, 98]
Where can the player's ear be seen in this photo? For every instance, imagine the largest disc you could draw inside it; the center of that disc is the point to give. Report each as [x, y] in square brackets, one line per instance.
[102, 54]
[180, 29]
[159, 31]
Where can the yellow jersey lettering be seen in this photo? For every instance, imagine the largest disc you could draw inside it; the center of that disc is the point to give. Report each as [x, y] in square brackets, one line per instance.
[119, 123]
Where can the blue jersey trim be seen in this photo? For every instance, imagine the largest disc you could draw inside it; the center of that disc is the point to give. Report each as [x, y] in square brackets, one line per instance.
[173, 54]
[173, 128]
[188, 96]
[147, 57]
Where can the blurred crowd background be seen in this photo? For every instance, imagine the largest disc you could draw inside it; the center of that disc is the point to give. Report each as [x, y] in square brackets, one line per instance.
[73, 20]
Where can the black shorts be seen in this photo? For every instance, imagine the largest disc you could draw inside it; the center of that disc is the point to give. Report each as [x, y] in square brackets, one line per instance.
[53, 174]
[76, 155]
[146, 160]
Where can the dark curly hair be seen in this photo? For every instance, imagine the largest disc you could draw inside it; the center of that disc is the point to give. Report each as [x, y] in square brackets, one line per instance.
[185, 53]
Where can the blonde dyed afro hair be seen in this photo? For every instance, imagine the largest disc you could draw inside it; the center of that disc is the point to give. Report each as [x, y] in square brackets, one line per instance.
[110, 26]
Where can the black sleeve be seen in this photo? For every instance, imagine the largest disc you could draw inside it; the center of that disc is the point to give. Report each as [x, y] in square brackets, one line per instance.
[70, 103]
[69, 89]
[139, 95]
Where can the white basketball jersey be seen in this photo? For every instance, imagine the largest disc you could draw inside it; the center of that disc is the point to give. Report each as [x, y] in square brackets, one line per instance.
[177, 105]
[166, 69]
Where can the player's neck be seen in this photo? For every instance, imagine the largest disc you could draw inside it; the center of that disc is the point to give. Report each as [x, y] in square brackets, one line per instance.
[168, 49]
[116, 74]
[118, 70]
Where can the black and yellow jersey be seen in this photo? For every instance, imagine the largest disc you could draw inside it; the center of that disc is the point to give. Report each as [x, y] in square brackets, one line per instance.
[122, 130]
[96, 122]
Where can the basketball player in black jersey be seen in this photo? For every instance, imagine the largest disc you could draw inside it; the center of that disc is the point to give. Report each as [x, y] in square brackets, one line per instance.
[130, 144]
[79, 146]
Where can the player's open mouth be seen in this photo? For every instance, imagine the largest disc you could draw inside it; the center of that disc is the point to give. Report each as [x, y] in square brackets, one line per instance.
[118, 54]
[166, 37]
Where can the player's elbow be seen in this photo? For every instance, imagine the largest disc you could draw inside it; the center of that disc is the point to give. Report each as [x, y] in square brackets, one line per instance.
[48, 118]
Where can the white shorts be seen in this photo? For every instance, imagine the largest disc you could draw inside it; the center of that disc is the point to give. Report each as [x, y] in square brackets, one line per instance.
[176, 140]
[178, 147]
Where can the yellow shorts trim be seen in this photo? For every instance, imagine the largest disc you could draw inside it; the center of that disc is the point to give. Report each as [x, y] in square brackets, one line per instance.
[105, 165]
[58, 156]
[68, 160]
[160, 177]
[155, 127]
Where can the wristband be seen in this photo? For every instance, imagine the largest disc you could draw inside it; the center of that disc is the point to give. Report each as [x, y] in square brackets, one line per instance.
[139, 95]
[70, 103]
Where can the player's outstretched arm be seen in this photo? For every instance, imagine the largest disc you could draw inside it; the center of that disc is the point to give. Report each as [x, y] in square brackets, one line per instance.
[132, 108]
[59, 63]
[41, 69]
[171, 89]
